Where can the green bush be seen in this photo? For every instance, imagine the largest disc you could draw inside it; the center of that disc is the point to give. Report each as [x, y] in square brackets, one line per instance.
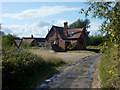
[8, 41]
[17, 67]
[25, 45]
[109, 68]
[71, 45]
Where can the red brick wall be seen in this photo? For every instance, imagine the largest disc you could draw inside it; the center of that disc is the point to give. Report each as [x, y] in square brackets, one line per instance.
[52, 35]
[61, 42]
[81, 42]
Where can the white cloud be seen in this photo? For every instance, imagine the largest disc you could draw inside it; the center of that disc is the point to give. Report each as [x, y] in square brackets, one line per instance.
[94, 27]
[41, 12]
[37, 29]
[40, 28]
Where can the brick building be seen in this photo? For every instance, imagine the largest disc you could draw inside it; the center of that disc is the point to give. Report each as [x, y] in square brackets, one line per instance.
[33, 41]
[63, 38]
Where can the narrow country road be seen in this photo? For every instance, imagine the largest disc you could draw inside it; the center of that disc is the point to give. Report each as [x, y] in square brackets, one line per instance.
[76, 75]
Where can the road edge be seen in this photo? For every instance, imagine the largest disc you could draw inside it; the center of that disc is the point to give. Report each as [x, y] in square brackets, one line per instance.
[96, 77]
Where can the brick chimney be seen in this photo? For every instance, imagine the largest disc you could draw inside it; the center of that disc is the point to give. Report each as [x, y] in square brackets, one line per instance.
[32, 36]
[66, 28]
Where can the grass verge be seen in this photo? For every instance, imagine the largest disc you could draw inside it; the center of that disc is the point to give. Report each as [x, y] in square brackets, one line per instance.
[108, 68]
[20, 70]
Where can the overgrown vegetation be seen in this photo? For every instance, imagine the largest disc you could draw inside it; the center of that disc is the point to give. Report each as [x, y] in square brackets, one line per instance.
[8, 41]
[109, 68]
[110, 63]
[20, 67]
[71, 45]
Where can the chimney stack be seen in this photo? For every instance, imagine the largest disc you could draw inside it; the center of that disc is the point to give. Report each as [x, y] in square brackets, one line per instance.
[66, 28]
[32, 36]
[48, 30]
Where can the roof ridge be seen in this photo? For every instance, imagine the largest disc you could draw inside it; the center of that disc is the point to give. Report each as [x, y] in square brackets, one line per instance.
[56, 26]
[75, 28]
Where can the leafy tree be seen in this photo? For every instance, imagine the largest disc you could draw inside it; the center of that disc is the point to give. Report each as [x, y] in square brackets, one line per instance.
[8, 40]
[81, 24]
[110, 11]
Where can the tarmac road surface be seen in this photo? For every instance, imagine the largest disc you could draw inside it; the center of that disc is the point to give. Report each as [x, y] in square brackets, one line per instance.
[75, 75]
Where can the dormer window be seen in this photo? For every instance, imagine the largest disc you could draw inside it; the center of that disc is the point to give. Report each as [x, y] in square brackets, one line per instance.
[71, 34]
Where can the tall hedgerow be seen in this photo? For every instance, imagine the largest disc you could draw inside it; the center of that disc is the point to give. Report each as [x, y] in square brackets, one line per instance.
[110, 28]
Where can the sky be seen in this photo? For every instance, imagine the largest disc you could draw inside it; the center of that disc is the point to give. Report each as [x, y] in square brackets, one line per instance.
[24, 19]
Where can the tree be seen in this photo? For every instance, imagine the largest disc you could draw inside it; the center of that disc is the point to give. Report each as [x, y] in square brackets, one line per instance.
[81, 24]
[95, 40]
[110, 11]
[8, 40]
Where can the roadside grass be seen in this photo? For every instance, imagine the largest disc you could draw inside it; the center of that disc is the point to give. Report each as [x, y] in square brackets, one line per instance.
[80, 51]
[89, 49]
[95, 49]
[108, 68]
[46, 54]
[21, 70]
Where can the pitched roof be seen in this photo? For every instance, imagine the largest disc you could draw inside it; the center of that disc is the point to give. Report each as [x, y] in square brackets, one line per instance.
[28, 40]
[59, 30]
[37, 39]
[72, 33]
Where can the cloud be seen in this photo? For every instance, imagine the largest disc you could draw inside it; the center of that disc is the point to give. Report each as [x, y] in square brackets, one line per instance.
[38, 29]
[41, 12]
[94, 27]
[41, 24]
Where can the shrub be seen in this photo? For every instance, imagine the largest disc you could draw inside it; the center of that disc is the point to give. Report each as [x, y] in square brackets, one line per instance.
[109, 68]
[19, 67]
[16, 67]
[71, 45]
[25, 45]
[8, 41]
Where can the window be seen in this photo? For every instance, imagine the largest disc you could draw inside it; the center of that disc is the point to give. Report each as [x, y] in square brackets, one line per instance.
[71, 34]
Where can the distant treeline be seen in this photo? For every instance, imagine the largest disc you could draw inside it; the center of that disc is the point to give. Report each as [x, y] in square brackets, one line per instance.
[95, 40]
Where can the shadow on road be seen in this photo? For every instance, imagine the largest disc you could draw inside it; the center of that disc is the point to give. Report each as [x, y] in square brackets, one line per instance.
[94, 50]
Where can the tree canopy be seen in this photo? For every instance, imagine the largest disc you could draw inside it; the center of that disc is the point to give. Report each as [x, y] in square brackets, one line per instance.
[110, 28]
[81, 24]
[110, 11]
[8, 40]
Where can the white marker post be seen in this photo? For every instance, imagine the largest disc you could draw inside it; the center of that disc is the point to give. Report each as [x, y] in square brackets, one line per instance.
[18, 43]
